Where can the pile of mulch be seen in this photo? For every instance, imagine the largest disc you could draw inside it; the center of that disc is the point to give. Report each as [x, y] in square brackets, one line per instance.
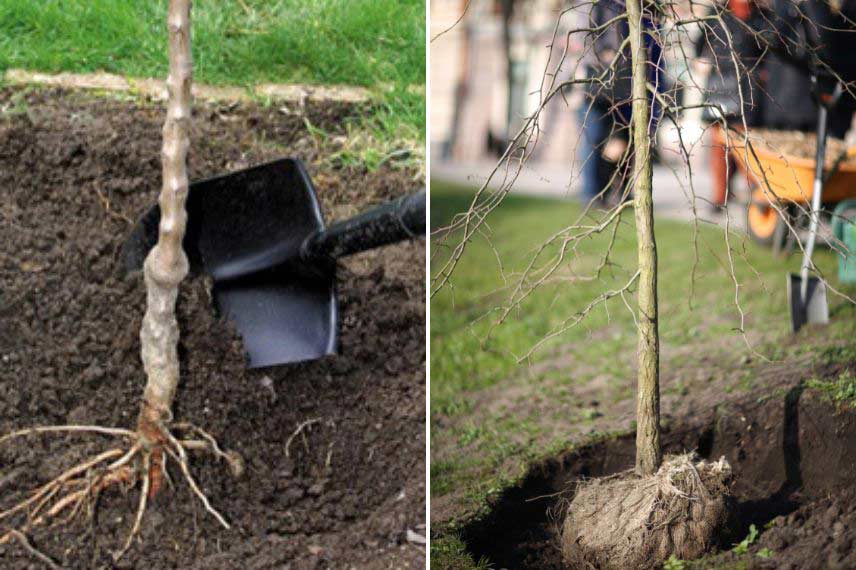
[75, 170]
[800, 144]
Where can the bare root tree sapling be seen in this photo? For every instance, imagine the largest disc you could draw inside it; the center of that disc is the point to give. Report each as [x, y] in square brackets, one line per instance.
[662, 509]
[166, 266]
[673, 505]
[142, 462]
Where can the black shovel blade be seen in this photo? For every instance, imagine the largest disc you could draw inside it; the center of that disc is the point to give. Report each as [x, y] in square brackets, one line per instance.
[284, 315]
[239, 223]
[246, 230]
[811, 310]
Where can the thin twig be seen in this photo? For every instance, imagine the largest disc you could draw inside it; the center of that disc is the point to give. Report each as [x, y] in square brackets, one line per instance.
[69, 428]
[297, 432]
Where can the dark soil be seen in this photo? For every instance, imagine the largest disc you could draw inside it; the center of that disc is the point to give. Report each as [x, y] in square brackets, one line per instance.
[794, 458]
[74, 169]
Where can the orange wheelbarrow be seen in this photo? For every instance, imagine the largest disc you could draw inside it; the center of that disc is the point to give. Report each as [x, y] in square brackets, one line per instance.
[786, 182]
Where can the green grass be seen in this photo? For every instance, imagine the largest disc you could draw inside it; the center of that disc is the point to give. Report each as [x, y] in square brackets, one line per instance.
[378, 44]
[840, 390]
[464, 358]
[470, 357]
[452, 551]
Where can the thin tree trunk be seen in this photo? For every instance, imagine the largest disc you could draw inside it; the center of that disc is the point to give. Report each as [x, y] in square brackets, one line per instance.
[166, 265]
[648, 452]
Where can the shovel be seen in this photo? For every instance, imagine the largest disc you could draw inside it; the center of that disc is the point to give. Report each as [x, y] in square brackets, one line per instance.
[806, 294]
[260, 235]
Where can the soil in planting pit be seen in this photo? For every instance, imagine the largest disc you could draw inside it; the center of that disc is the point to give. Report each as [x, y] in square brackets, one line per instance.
[794, 458]
[74, 169]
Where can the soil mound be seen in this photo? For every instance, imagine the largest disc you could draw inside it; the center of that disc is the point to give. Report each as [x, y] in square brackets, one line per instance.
[800, 144]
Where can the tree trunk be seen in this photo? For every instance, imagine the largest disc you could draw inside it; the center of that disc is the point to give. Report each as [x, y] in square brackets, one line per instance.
[166, 265]
[648, 452]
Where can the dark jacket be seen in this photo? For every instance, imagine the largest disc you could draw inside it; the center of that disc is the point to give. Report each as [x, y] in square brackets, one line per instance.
[801, 37]
[616, 93]
[714, 44]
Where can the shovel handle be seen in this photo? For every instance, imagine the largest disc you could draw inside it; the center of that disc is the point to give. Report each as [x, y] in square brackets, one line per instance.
[825, 101]
[391, 222]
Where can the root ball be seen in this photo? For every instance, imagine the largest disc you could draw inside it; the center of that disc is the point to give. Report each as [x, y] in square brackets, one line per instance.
[629, 521]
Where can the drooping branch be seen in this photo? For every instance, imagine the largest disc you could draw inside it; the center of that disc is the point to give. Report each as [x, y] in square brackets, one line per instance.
[166, 265]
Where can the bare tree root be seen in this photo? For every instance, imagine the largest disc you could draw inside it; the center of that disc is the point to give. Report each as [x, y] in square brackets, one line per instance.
[25, 543]
[141, 463]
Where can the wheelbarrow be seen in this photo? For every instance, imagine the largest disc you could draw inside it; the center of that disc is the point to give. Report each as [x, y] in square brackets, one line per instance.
[781, 184]
[806, 293]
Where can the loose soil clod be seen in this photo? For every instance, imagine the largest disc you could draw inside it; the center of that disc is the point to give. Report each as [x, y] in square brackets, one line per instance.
[629, 521]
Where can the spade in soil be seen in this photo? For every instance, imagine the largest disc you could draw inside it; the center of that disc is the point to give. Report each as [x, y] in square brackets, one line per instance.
[260, 235]
[807, 294]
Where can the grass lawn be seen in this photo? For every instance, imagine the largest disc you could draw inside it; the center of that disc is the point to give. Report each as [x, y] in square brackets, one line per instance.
[378, 44]
[492, 417]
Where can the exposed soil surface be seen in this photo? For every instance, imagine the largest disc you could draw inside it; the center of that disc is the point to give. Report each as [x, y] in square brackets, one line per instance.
[74, 170]
[794, 458]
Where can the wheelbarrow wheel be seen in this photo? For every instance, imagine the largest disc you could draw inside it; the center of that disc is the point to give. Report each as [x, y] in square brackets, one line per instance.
[764, 224]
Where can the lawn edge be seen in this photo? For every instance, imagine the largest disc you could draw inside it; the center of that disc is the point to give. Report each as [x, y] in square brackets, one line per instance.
[156, 88]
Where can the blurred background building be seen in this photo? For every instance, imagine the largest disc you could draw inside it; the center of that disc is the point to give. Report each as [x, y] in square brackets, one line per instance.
[492, 62]
[486, 74]
[488, 62]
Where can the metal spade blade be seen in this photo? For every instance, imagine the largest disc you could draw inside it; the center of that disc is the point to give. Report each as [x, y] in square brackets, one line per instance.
[261, 236]
[814, 309]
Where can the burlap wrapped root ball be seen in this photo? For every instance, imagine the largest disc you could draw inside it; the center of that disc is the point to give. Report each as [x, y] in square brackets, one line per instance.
[629, 521]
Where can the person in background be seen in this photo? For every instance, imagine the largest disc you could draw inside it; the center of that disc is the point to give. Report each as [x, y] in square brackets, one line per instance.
[604, 115]
[727, 84]
[772, 73]
[788, 29]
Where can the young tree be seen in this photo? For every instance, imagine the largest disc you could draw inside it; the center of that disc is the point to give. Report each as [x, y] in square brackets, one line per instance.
[166, 265]
[662, 509]
[143, 461]
[665, 506]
